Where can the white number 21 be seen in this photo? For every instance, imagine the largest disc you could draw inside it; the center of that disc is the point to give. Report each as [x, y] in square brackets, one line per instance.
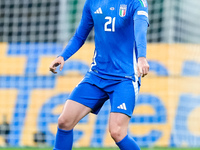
[110, 21]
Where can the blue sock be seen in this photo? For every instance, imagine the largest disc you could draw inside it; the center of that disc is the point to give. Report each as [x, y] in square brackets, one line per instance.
[64, 140]
[127, 143]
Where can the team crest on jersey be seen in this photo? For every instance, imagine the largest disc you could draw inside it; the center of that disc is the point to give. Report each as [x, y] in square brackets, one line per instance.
[122, 10]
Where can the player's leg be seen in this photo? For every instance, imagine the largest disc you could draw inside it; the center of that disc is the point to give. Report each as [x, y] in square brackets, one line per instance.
[123, 100]
[86, 97]
[118, 126]
[72, 113]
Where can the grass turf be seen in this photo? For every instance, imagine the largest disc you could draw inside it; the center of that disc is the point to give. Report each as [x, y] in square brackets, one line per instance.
[158, 148]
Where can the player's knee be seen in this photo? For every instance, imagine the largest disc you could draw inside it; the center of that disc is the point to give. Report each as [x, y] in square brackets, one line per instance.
[116, 133]
[65, 123]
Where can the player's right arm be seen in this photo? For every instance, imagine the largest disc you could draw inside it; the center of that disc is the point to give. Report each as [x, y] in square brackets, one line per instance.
[75, 43]
[58, 61]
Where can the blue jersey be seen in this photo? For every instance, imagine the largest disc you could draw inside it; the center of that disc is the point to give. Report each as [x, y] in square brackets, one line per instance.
[118, 41]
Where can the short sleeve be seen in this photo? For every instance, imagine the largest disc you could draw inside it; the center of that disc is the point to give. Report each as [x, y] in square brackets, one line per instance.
[141, 10]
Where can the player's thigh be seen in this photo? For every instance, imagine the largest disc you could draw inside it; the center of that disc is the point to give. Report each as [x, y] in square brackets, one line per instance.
[118, 120]
[72, 113]
[124, 96]
[118, 125]
[89, 95]
[85, 98]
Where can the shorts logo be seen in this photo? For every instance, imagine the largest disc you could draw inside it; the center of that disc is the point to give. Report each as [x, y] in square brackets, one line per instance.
[122, 106]
[122, 10]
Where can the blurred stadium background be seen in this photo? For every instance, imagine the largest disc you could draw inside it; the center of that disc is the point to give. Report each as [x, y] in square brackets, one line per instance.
[33, 32]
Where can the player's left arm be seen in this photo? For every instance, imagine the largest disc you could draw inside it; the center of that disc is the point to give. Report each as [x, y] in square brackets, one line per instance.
[141, 24]
[140, 28]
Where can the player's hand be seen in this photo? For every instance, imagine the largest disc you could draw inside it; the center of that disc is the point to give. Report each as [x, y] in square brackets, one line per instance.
[142, 67]
[58, 61]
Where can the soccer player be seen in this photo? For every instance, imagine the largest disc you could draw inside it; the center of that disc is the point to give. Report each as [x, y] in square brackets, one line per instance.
[118, 64]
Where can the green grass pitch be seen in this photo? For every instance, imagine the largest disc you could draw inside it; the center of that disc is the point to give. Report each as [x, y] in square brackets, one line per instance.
[158, 148]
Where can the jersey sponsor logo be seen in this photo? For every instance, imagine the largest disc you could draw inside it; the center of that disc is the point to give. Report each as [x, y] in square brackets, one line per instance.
[122, 106]
[122, 10]
[112, 8]
[143, 3]
[98, 11]
[143, 13]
